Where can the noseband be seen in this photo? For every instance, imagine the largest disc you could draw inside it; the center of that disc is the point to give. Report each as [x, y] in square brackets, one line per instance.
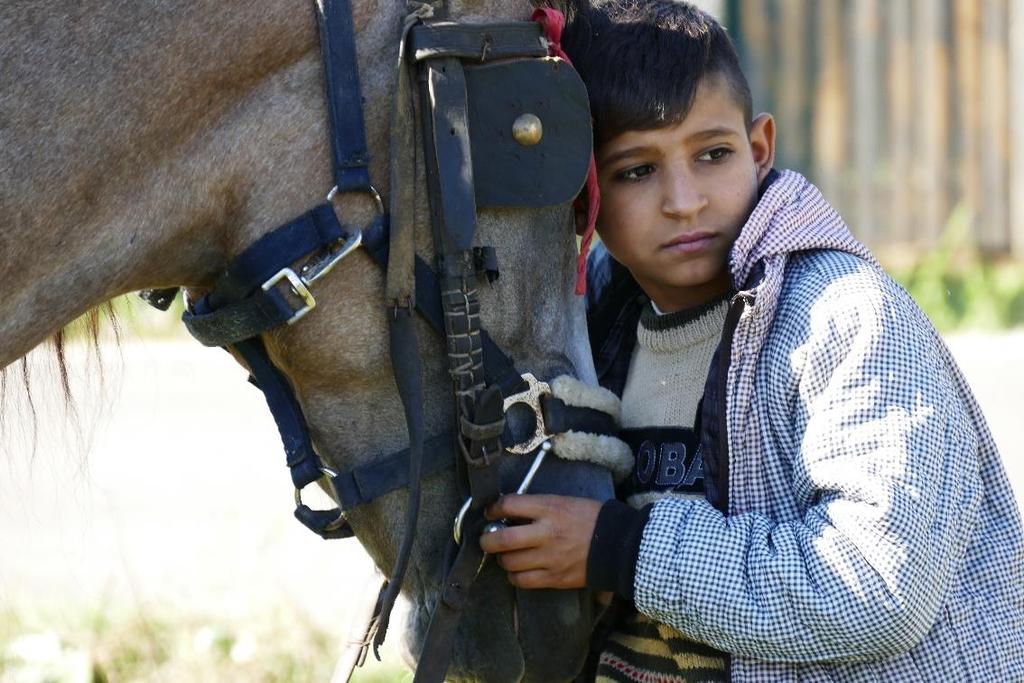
[503, 125]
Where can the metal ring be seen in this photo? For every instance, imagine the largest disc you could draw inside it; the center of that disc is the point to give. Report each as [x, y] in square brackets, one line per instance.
[530, 398]
[459, 519]
[298, 492]
[369, 189]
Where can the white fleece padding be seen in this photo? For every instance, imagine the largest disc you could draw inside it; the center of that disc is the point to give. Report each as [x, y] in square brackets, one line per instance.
[606, 451]
[576, 393]
[600, 449]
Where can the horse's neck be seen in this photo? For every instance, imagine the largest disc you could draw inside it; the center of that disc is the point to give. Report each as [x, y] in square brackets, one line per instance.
[145, 145]
[125, 136]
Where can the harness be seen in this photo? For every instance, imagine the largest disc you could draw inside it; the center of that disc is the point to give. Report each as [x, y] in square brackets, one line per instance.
[503, 125]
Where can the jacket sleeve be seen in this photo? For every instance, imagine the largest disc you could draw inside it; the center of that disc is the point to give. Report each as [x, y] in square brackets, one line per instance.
[866, 459]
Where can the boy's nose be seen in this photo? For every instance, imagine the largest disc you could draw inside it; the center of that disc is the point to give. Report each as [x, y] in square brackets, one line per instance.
[682, 198]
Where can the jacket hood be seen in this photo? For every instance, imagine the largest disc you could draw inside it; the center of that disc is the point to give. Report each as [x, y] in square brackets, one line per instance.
[791, 215]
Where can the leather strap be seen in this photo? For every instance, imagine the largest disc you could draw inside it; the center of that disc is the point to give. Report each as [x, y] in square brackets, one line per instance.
[344, 97]
[485, 487]
[477, 42]
[400, 283]
[452, 600]
[560, 417]
[360, 485]
[480, 411]
[499, 368]
[291, 424]
[446, 82]
[405, 361]
[302, 460]
[237, 307]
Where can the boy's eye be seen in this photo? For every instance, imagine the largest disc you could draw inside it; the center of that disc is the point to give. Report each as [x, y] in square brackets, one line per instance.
[635, 172]
[716, 154]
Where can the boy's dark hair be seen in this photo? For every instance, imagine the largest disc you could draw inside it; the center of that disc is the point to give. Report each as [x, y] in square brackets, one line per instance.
[642, 61]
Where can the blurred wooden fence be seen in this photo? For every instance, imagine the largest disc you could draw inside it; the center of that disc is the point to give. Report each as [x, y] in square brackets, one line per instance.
[900, 110]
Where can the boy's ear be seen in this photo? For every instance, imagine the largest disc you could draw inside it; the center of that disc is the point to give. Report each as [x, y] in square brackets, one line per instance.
[762, 144]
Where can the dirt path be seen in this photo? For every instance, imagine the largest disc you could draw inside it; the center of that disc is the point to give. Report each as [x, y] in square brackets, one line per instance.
[994, 366]
[184, 506]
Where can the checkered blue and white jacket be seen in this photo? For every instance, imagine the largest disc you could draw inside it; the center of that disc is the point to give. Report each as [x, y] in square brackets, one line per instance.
[872, 534]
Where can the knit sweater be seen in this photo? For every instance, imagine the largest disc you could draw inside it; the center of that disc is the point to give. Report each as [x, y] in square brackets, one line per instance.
[659, 408]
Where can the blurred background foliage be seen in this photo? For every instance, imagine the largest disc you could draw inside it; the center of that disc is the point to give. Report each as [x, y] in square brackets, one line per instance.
[103, 646]
[958, 286]
[909, 116]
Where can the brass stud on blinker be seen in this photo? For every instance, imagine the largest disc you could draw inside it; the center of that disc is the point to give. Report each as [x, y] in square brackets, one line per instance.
[527, 130]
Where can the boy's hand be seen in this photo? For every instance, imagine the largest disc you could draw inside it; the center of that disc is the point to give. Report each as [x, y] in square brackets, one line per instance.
[550, 550]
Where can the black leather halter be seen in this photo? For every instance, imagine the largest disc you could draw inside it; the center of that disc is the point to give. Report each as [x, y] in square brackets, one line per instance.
[260, 290]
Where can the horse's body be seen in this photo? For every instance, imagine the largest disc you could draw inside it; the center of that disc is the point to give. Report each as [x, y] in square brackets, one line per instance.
[145, 144]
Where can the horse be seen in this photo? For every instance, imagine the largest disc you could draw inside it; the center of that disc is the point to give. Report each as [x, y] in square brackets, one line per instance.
[144, 145]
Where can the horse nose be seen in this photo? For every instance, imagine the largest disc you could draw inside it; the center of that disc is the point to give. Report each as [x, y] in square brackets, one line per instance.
[554, 632]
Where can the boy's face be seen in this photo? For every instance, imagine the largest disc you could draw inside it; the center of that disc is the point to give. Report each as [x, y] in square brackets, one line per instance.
[673, 199]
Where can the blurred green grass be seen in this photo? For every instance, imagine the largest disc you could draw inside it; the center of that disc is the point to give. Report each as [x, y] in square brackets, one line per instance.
[961, 288]
[114, 646]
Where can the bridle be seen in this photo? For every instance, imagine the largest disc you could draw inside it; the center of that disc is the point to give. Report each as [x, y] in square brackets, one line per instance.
[484, 145]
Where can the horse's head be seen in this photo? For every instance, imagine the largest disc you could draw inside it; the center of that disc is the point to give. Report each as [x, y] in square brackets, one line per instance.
[337, 359]
[166, 170]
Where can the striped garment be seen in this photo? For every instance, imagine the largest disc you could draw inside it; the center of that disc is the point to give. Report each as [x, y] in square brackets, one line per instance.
[644, 651]
[659, 407]
[872, 534]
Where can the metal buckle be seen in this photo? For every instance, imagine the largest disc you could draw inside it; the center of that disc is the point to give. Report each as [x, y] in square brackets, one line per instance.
[341, 519]
[325, 470]
[311, 272]
[531, 397]
[298, 288]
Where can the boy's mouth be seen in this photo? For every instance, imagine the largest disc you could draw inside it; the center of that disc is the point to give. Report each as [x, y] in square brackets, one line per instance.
[690, 242]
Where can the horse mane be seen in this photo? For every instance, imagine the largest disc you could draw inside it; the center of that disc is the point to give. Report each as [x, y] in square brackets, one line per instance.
[88, 328]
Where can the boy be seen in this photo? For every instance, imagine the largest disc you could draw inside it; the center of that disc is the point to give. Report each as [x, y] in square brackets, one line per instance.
[835, 509]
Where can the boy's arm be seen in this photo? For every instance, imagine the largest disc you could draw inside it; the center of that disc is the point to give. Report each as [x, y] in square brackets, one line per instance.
[882, 472]
[883, 468]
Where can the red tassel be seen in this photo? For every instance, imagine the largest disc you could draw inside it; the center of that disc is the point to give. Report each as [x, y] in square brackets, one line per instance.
[553, 22]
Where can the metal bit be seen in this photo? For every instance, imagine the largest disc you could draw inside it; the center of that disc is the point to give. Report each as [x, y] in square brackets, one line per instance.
[524, 486]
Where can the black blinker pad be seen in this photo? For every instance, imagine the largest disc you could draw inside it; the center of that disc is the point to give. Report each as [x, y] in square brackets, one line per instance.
[506, 173]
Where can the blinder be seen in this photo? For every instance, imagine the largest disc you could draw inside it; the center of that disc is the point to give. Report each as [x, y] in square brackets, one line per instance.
[508, 173]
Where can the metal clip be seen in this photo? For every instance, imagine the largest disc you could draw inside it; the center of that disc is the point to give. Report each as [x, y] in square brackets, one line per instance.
[341, 518]
[459, 519]
[530, 397]
[314, 270]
